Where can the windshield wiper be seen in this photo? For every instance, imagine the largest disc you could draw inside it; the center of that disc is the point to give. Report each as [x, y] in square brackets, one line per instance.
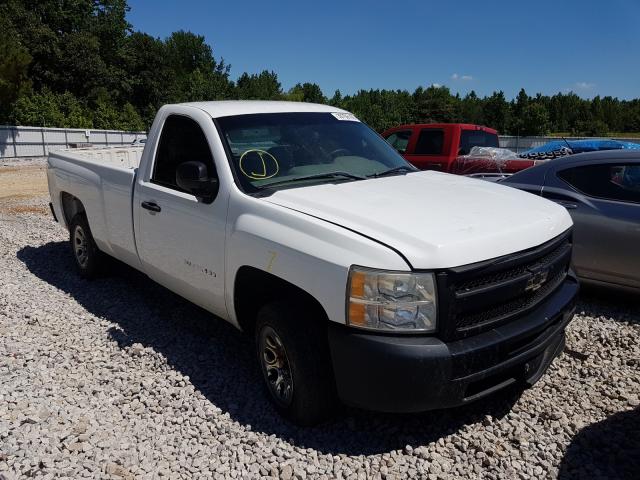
[401, 168]
[316, 176]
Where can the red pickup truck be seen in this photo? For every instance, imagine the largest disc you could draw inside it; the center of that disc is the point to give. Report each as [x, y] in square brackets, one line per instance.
[446, 147]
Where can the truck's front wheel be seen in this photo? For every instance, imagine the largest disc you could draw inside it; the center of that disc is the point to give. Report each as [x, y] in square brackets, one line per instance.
[87, 257]
[294, 359]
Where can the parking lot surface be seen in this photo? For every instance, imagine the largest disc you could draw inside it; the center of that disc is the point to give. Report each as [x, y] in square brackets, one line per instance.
[119, 378]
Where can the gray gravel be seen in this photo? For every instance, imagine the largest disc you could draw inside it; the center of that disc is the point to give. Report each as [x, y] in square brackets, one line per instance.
[118, 378]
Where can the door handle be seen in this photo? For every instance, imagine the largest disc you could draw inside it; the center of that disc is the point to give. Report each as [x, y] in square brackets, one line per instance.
[154, 207]
[566, 204]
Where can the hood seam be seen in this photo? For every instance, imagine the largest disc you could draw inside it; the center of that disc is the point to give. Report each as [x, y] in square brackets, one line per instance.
[393, 249]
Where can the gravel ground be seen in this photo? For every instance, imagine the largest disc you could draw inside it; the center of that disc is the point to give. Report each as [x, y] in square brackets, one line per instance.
[118, 378]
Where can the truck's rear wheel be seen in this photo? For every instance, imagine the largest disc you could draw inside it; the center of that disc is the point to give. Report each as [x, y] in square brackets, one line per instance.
[88, 258]
[295, 363]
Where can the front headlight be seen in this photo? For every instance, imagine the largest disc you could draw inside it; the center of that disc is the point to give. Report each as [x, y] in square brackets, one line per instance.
[383, 300]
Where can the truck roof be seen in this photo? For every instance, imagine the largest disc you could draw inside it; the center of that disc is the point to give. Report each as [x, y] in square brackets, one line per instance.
[227, 108]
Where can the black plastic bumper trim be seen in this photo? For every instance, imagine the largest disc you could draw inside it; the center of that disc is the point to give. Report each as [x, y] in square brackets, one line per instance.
[395, 373]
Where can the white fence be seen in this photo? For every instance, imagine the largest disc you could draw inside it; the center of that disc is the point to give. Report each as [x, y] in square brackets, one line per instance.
[37, 141]
[520, 144]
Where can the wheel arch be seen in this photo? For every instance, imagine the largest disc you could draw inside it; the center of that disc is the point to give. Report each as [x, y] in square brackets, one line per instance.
[254, 288]
[71, 206]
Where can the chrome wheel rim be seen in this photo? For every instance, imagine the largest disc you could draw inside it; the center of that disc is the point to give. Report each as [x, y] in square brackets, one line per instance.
[275, 366]
[80, 246]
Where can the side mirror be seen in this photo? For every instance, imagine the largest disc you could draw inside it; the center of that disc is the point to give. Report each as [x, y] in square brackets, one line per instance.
[194, 178]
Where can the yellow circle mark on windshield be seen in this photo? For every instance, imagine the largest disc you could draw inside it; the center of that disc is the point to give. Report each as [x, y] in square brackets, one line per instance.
[265, 163]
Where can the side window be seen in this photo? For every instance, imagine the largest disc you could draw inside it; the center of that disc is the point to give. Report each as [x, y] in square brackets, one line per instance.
[182, 140]
[609, 181]
[476, 138]
[399, 140]
[430, 142]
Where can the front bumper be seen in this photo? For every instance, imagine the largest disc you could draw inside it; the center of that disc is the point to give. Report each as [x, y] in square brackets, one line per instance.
[395, 373]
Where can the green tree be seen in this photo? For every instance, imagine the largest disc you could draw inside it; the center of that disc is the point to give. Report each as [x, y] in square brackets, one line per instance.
[534, 120]
[336, 100]
[307, 92]
[187, 52]
[194, 72]
[471, 109]
[630, 117]
[72, 43]
[202, 86]
[76, 113]
[367, 106]
[149, 75]
[496, 111]
[518, 108]
[130, 119]
[262, 86]
[435, 104]
[39, 110]
[14, 62]
[612, 113]
[106, 115]
[590, 128]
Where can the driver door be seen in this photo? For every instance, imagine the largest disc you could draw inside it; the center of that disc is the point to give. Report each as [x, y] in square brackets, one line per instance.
[181, 239]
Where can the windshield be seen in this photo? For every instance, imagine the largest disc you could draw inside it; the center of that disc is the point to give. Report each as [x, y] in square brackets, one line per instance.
[298, 149]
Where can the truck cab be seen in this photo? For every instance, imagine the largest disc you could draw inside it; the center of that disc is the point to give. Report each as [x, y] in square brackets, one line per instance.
[437, 146]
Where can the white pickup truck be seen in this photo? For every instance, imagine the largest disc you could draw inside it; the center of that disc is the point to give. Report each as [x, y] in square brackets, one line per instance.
[361, 278]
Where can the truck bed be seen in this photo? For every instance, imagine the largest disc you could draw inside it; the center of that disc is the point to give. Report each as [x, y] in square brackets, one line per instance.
[102, 180]
[120, 157]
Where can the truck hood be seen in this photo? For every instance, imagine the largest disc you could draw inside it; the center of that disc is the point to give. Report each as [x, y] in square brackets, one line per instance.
[433, 219]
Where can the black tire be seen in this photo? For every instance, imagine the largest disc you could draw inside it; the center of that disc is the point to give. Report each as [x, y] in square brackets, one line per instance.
[88, 259]
[312, 397]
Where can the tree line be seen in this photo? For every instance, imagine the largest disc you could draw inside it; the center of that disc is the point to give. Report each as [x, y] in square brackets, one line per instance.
[79, 64]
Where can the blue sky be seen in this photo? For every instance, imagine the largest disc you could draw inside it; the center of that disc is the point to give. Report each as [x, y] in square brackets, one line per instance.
[589, 47]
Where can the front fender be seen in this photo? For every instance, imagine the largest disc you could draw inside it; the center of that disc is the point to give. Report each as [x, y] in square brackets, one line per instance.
[308, 252]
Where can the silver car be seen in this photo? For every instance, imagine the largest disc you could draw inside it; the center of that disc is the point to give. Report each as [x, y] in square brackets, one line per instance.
[601, 191]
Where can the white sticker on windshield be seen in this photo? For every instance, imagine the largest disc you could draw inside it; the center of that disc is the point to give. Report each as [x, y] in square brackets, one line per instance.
[349, 117]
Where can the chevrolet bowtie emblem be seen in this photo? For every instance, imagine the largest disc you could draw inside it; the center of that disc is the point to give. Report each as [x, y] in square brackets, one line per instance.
[537, 280]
